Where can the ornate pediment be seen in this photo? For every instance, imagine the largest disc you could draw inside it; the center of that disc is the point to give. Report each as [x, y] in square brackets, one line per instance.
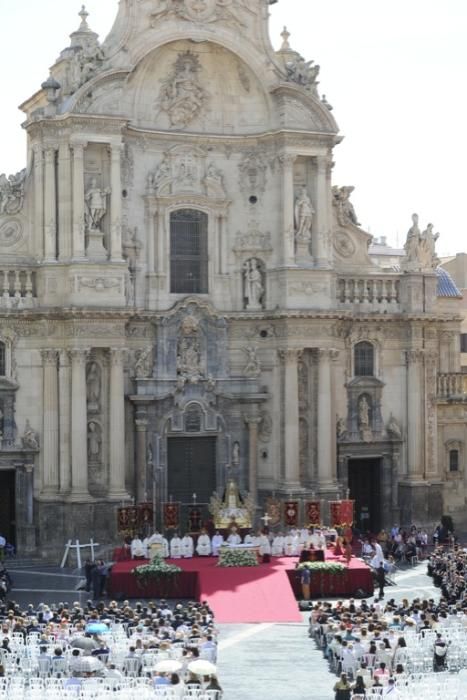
[203, 11]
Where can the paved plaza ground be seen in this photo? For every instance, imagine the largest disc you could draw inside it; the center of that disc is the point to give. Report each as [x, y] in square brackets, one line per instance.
[270, 661]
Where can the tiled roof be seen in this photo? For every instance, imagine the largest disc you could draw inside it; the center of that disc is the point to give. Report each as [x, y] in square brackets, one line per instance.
[446, 285]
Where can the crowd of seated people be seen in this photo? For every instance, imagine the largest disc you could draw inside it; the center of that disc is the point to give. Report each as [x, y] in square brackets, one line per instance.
[278, 544]
[109, 648]
[391, 646]
[397, 545]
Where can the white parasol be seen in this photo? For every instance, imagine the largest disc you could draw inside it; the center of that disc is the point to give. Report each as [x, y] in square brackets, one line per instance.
[201, 667]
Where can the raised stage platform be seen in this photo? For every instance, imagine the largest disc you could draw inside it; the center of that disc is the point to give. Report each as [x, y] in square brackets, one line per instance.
[266, 593]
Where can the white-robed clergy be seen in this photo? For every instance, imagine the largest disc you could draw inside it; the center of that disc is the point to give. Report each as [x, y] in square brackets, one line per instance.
[264, 544]
[249, 538]
[203, 545]
[176, 547]
[378, 557]
[138, 549]
[304, 536]
[291, 544]
[187, 546]
[278, 545]
[165, 547]
[153, 544]
[217, 542]
[234, 538]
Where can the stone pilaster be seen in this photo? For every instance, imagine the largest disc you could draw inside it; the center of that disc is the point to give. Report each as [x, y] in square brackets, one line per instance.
[287, 161]
[290, 358]
[38, 201]
[253, 422]
[326, 421]
[79, 452]
[50, 212]
[321, 228]
[116, 204]
[117, 426]
[152, 237]
[141, 427]
[64, 202]
[78, 201]
[415, 422]
[64, 399]
[50, 477]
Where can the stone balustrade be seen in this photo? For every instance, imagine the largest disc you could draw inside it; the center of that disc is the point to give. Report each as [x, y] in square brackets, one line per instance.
[17, 288]
[452, 384]
[380, 293]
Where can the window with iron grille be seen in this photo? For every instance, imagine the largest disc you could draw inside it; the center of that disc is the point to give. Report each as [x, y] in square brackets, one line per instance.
[188, 252]
[453, 460]
[2, 360]
[364, 359]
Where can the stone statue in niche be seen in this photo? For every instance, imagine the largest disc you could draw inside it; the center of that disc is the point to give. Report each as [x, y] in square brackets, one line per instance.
[236, 454]
[30, 437]
[253, 284]
[189, 351]
[181, 96]
[344, 207]
[393, 428]
[96, 205]
[93, 384]
[341, 428]
[143, 363]
[363, 413]
[252, 367]
[304, 212]
[12, 192]
[94, 441]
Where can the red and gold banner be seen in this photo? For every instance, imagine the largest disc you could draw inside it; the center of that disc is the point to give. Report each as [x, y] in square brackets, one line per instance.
[291, 513]
[335, 511]
[313, 513]
[347, 513]
[127, 519]
[341, 513]
[145, 516]
[171, 513]
[273, 509]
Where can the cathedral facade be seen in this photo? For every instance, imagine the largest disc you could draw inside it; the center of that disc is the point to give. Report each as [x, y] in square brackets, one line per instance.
[186, 297]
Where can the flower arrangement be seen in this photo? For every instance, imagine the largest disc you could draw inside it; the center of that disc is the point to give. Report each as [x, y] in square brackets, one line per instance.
[237, 557]
[158, 570]
[323, 567]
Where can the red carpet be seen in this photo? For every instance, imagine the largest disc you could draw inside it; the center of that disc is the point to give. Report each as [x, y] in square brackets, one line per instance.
[261, 594]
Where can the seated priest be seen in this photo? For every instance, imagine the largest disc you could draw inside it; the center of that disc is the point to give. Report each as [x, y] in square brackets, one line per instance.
[304, 535]
[249, 538]
[217, 542]
[138, 548]
[176, 547]
[154, 543]
[203, 545]
[278, 545]
[291, 544]
[187, 546]
[234, 538]
[165, 547]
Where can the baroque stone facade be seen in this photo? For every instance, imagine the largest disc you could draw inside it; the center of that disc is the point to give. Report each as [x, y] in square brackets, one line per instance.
[177, 264]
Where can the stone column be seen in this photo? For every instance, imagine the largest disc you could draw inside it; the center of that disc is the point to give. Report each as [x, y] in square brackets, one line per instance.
[50, 215]
[253, 424]
[290, 358]
[117, 426]
[64, 399]
[64, 202]
[414, 415]
[50, 477]
[79, 451]
[321, 224]
[152, 228]
[141, 475]
[116, 204]
[29, 489]
[78, 201]
[38, 201]
[326, 421]
[287, 161]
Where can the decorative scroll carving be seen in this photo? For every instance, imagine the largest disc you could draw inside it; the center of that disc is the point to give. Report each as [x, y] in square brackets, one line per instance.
[12, 192]
[200, 10]
[253, 173]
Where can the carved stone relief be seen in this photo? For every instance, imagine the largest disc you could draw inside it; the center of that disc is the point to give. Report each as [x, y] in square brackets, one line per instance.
[184, 170]
[12, 192]
[200, 11]
[11, 233]
[94, 387]
[253, 366]
[253, 169]
[343, 206]
[181, 96]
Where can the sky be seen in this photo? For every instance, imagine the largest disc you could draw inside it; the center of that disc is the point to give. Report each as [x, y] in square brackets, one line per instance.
[394, 71]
